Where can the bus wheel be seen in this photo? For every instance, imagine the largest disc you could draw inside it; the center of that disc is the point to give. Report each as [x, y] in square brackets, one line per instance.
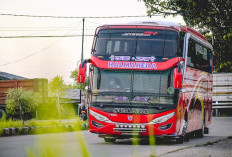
[186, 138]
[200, 133]
[109, 139]
[206, 131]
[180, 140]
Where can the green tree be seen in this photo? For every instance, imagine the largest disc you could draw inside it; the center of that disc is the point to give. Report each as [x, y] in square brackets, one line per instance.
[225, 67]
[215, 16]
[74, 76]
[21, 103]
[57, 89]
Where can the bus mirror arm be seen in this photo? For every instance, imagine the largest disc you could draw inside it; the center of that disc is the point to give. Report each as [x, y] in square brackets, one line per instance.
[83, 63]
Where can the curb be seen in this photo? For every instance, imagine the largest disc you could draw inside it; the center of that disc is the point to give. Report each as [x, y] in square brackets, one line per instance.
[12, 131]
[211, 142]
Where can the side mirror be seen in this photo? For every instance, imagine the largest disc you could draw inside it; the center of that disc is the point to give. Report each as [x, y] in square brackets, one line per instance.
[178, 74]
[81, 73]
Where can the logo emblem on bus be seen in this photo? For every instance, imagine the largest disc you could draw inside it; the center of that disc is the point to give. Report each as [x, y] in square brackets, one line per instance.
[130, 118]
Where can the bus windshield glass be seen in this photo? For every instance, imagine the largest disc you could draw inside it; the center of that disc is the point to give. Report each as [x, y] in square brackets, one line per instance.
[133, 86]
[137, 42]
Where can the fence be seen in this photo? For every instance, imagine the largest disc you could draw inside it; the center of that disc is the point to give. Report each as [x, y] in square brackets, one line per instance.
[222, 92]
[36, 85]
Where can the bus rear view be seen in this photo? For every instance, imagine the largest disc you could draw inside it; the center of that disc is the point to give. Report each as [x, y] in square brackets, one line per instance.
[137, 82]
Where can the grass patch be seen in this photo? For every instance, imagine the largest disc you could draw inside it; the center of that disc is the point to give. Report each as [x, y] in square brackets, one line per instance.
[11, 123]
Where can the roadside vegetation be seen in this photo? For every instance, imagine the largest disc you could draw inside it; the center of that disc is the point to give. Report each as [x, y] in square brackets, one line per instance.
[33, 126]
[11, 123]
[213, 21]
[29, 113]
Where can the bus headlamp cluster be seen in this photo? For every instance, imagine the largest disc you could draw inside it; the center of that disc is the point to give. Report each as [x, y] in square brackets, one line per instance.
[162, 119]
[99, 116]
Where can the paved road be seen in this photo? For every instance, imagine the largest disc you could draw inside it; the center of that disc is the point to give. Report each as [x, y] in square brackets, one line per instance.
[72, 144]
[216, 149]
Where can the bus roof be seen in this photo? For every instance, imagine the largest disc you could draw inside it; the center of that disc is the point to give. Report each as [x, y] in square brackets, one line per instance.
[159, 24]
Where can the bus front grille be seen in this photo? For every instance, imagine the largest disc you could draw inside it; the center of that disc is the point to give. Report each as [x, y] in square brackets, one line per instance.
[130, 128]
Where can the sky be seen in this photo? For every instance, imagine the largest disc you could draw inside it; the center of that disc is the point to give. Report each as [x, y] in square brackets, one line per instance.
[44, 57]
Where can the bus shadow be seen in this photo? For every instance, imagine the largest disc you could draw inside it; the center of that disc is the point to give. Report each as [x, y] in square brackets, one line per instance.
[139, 142]
[164, 141]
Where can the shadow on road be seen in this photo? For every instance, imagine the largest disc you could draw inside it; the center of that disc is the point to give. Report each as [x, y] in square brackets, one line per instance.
[163, 141]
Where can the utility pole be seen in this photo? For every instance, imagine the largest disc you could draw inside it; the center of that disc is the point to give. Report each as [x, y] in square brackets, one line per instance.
[82, 47]
[83, 34]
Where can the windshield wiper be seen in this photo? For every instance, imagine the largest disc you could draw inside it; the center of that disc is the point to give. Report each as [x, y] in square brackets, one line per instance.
[113, 93]
[152, 94]
[104, 101]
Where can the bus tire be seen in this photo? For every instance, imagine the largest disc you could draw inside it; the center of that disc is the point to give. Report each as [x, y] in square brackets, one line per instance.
[109, 139]
[200, 133]
[186, 138]
[2, 114]
[206, 131]
[180, 140]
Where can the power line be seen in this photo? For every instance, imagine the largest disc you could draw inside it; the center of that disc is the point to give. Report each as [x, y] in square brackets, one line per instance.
[34, 27]
[45, 36]
[32, 54]
[30, 30]
[60, 27]
[27, 56]
[76, 17]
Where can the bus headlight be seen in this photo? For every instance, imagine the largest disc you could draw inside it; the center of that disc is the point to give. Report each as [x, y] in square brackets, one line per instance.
[99, 117]
[162, 119]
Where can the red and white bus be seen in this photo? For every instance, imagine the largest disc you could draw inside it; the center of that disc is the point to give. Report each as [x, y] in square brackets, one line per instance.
[149, 78]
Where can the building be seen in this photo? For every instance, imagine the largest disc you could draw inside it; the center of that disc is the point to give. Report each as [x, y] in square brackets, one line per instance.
[8, 76]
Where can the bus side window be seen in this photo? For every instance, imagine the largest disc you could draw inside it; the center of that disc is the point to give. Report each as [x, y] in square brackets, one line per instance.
[198, 56]
[181, 44]
[191, 55]
[210, 61]
[202, 57]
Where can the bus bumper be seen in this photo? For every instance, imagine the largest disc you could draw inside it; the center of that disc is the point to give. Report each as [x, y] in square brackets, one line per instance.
[125, 130]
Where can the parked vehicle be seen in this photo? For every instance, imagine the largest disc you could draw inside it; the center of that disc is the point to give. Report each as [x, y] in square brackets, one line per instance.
[149, 78]
[83, 115]
[82, 110]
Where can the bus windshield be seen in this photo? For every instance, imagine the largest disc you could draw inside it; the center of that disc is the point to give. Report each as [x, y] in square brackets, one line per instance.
[137, 42]
[133, 86]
